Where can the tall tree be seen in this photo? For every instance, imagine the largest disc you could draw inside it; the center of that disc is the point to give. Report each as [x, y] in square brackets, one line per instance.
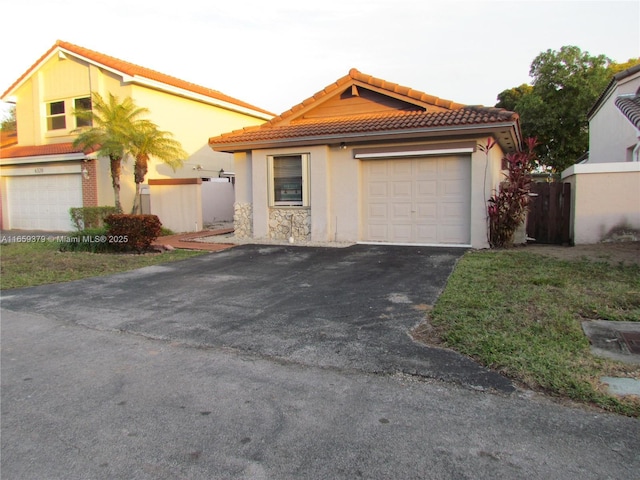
[8, 123]
[148, 141]
[112, 123]
[565, 85]
[619, 67]
[508, 99]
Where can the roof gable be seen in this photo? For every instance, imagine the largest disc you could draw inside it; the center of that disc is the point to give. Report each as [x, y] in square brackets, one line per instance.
[621, 77]
[357, 94]
[136, 74]
[360, 106]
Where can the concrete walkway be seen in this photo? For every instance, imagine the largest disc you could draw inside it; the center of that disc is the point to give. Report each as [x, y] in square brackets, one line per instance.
[189, 241]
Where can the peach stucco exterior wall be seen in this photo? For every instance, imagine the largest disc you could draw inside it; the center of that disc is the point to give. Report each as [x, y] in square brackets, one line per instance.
[604, 197]
[336, 193]
[191, 122]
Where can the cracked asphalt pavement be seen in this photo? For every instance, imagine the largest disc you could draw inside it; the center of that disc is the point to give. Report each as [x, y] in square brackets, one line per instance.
[274, 362]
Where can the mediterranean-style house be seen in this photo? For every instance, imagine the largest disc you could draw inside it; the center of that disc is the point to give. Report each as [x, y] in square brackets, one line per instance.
[367, 160]
[42, 175]
[605, 188]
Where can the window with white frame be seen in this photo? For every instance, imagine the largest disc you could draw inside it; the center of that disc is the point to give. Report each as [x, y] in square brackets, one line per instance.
[82, 105]
[58, 111]
[288, 180]
[56, 119]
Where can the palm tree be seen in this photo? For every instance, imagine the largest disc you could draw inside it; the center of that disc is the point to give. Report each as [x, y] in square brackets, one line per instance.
[113, 121]
[146, 141]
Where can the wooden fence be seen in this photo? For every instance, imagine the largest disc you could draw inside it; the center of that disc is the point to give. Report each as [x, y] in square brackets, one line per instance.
[549, 213]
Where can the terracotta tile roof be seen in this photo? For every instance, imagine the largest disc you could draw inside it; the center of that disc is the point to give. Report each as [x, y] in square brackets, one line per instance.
[8, 138]
[291, 124]
[629, 105]
[357, 77]
[381, 122]
[38, 150]
[135, 70]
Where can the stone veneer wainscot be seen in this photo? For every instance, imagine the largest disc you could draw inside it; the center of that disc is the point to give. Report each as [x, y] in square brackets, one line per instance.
[285, 222]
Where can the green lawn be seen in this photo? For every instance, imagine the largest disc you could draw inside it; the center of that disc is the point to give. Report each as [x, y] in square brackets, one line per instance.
[520, 313]
[30, 264]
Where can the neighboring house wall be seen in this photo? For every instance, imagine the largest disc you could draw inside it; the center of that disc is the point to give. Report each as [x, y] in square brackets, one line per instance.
[64, 75]
[611, 136]
[606, 189]
[605, 200]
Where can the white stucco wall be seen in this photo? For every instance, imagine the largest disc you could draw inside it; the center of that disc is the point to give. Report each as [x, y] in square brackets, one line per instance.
[610, 133]
[335, 191]
[178, 206]
[604, 197]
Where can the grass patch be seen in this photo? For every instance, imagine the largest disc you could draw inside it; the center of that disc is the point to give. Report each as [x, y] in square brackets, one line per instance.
[519, 313]
[31, 264]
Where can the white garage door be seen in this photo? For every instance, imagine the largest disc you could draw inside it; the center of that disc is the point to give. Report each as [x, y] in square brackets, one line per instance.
[420, 200]
[42, 202]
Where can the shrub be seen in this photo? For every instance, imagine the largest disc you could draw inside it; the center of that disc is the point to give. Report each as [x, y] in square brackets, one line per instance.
[88, 218]
[508, 207]
[132, 232]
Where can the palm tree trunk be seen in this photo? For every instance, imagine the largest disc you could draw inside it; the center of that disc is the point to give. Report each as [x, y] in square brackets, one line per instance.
[136, 210]
[139, 172]
[116, 169]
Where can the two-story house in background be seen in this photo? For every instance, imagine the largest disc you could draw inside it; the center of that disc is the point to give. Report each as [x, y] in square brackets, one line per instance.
[605, 188]
[42, 175]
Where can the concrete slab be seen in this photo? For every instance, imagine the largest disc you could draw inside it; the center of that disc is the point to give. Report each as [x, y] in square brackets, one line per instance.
[622, 386]
[608, 341]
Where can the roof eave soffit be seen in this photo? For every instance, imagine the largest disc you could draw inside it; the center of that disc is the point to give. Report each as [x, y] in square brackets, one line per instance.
[505, 133]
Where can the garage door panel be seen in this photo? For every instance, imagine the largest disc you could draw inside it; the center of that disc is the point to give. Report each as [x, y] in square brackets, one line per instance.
[427, 188]
[401, 233]
[378, 233]
[378, 212]
[427, 211]
[378, 169]
[378, 189]
[427, 233]
[401, 211]
[426, 168]
[401, 167]
[42, 202]
[402, 189]
[428, 200]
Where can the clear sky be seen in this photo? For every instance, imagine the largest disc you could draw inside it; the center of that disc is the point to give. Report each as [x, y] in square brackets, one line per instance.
[276, 53]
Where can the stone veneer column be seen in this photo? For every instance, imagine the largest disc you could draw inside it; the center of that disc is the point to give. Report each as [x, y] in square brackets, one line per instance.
[243, 220]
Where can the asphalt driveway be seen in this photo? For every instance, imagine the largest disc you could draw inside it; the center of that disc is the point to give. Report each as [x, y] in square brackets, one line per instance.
[347, 308]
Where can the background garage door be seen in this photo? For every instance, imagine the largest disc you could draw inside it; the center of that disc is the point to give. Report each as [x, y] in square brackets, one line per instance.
[42, 202]
[418, 200]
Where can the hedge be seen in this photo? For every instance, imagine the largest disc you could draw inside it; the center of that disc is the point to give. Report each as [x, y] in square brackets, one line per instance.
[132, 232]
